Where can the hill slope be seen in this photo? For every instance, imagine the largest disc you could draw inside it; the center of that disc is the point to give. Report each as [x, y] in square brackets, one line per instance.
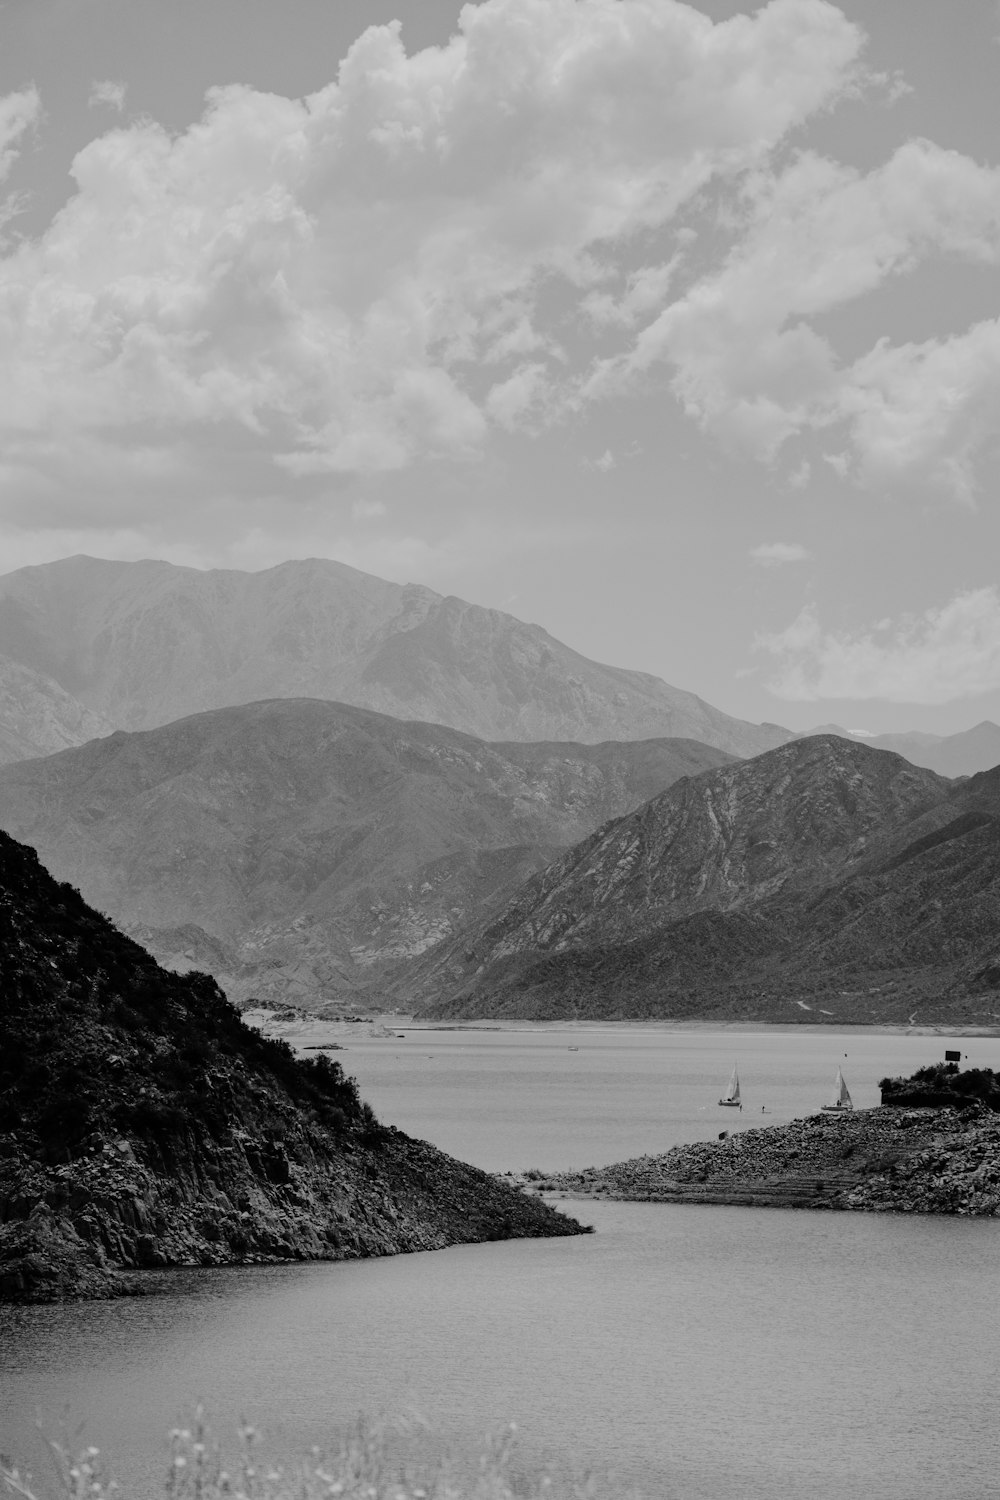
[144, 643]
[823, 880]
[298, 849]
[142, 1124]
[38, 717]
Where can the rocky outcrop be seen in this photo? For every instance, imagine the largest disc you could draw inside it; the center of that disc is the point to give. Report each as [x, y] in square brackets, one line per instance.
[144, 643]
[906, 1161]
[143, 1125]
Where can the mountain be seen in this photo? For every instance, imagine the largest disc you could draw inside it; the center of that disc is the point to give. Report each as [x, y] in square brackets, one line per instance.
[38, 717]
[823, 880]
[301, 850]
[142, 1124]
[144, 643]
[976, 749]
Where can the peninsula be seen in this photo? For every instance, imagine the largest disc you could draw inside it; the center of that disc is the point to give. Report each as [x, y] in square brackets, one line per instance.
[143, 1125]
[935, 1158]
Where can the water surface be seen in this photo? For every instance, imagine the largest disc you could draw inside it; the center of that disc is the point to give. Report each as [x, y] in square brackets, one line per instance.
[692, 1350]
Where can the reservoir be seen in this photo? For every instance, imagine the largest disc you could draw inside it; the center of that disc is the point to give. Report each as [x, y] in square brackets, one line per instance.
[686, 1350]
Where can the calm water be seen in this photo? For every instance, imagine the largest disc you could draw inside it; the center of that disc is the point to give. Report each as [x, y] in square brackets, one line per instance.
[692, 1350]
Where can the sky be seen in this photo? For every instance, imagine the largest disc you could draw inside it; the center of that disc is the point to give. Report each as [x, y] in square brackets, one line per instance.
[671, 328]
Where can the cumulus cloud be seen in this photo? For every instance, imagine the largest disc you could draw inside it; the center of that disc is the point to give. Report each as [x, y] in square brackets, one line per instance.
[747, 360]
[109, 93]
[777, 554]
[380, 272]
[929, 406]
[946, 653]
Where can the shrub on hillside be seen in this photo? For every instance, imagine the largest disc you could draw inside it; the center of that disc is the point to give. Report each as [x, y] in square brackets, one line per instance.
[943, 1085]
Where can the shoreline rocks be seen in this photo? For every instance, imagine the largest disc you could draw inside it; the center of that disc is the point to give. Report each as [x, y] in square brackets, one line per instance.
[143, 1125]
[940, 1161]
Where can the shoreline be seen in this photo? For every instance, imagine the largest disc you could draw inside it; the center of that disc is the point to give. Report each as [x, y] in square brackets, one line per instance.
[885, 1159]
[396, 1027]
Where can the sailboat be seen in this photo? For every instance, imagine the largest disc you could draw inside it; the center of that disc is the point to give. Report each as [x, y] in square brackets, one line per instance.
[841, 1099]
[732, 1094]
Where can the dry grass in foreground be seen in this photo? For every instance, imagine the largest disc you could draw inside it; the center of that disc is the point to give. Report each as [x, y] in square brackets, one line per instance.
[369, 1463]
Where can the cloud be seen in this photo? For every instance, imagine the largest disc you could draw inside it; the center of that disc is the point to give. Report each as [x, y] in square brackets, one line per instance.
[929, 406]
[108, 93]
[645, 289]
[947, 653]
[367, 510]
[777, 554]
[381, 272]
[18, 112]
[748, 361]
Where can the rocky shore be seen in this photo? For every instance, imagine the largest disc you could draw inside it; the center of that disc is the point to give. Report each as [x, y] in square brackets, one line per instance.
[84, 1228]
[930, 1161]
[143, 1125]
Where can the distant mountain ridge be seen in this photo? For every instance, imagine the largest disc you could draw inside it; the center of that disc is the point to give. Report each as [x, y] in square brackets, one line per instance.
[300, 850]
[964, 754]
[822, 880]
[142, 644]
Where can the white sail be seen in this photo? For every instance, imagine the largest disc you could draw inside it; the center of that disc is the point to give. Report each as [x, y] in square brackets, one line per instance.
[841, 1097]
[732, 1094]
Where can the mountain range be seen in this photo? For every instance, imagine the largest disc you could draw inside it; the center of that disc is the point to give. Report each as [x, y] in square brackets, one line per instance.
[823, 880]
[486, 823]
[302, 851]
[140, 644]
[976, 749]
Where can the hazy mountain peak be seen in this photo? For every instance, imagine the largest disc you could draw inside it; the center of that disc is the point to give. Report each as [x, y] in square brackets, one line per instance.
[141, 644]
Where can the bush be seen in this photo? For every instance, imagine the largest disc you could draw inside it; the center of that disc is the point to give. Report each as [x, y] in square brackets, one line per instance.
[943, 1085]
[372, 1462]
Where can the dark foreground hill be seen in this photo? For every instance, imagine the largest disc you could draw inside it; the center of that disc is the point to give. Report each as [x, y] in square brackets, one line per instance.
[301, 850]
[143, 643]
[821, 881]
[142, 1124]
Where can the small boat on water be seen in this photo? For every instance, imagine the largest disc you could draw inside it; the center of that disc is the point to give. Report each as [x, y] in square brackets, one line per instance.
[841, 1099]
[732, 1094]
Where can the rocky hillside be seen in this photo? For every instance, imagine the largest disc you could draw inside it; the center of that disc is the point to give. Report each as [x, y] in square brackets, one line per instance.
[142, 1124]
[926, 1161]
[38, 717]
[301, 850]
[141, 644]
[822, 881]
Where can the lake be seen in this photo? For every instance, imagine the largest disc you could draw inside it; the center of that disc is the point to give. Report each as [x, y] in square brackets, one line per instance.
[691, 1350]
